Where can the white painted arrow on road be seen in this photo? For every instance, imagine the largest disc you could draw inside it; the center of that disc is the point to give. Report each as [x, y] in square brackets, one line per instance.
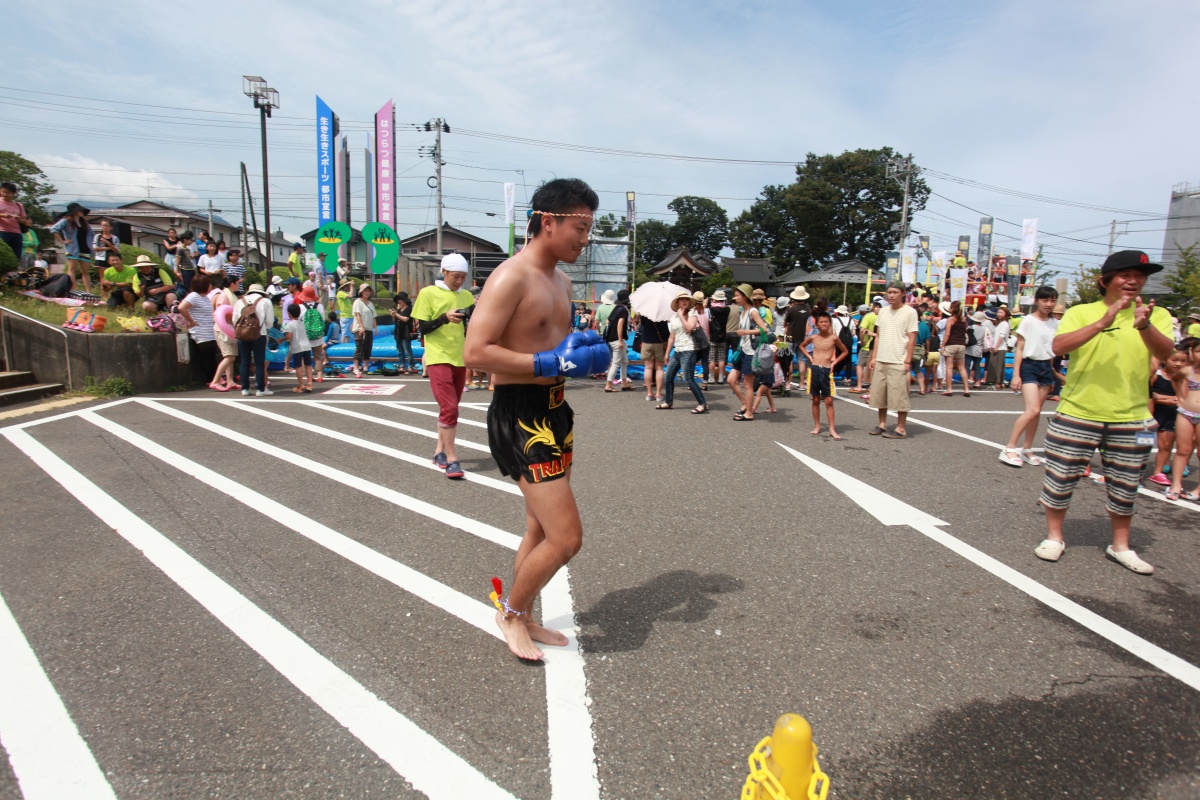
[892, 511]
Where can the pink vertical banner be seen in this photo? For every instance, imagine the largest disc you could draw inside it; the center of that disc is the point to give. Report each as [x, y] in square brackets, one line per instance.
[385, 164]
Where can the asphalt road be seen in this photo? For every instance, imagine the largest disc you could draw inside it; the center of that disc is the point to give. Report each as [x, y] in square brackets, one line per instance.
[208, 639]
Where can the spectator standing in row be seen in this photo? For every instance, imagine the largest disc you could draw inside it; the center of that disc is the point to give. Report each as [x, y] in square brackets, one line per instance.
[702, 352]
[196, 308]
[210, 262]
[654, 357]
[12, 217]
[440, 311]
[312, 315]
[345, 309]
[741, 376]
[718, 344]
[401, 316]
[954, 347]
[363, 329]
[185, 264]
[234, 268]
[1033, 375]
[105, 244]
[997, 347]
[74, 235]
[223, 378]
[1105, 402]
[682, 324]
[976, 333]
[896, 337]
[732, 339]
[866, 338]
[254, 303]
[796, 322]
[296, 261]
[615, 329]
[170, 248]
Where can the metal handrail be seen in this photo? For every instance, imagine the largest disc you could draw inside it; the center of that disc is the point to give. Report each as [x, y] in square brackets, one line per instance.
[7, 334]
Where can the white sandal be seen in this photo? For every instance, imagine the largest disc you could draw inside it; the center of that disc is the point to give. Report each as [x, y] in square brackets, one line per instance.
[1029, 458]
[1050, 550]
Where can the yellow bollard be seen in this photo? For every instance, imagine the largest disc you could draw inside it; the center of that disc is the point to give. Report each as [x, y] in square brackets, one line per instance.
[791, 758]
[784, 765]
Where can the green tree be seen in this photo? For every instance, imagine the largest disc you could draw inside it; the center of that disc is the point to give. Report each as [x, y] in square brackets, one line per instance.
[8, 259]
[840, 207]
[609, 227]
[1086, 289]
[33, 189]
[129, 255]
[1184, 283]
[716, 281]
[702, 225]
[654, 241]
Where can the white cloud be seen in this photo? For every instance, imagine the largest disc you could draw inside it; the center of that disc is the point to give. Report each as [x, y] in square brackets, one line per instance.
[80, 177]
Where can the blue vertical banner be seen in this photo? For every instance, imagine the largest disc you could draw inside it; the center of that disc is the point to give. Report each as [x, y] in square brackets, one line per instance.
[327, 130]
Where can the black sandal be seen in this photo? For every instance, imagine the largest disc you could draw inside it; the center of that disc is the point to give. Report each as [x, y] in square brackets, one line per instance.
[700, 410]
[662, 407]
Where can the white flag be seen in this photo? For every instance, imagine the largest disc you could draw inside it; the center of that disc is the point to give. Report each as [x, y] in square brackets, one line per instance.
[958, 284]
[1029, 239]
[908, 265]
[510, 199]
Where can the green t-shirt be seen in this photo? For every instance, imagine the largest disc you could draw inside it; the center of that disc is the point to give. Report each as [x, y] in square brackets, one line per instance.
[867, 324]
[1108, 379]
[29, 242]
[1193, 329]
[444, 345]
[125, 274]
[345, 305]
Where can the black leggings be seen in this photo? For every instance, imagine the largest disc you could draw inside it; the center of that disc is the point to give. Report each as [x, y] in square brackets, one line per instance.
[362, 347]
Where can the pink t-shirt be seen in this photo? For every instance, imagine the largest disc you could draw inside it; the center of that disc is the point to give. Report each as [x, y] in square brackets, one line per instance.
[10, 224]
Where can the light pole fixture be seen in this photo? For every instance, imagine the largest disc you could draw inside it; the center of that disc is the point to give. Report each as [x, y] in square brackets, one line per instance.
[265, 99]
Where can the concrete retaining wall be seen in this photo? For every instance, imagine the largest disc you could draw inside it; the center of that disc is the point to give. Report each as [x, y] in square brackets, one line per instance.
[149, 361]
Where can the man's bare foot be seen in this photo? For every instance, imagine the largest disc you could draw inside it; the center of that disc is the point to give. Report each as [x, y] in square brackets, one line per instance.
[545, 635]
[816, 431]
[834, 435]
[516, 633]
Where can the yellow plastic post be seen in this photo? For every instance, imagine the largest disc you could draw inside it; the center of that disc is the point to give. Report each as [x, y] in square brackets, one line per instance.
[792, 755]
[867, 298]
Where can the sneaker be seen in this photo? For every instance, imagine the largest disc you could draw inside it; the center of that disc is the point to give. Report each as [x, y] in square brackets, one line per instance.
[263, 393]
[1011, 456]
[1129, 560]
[245, 392]
[439, 460]
[1160, 479]
[453, 470]
[1049, 550]
[1029, 458]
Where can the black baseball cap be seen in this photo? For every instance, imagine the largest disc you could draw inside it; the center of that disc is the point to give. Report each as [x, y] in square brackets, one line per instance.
[1129, 259]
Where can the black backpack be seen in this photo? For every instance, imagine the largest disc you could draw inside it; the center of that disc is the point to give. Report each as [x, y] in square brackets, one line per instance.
[846, 337]
[971, 340]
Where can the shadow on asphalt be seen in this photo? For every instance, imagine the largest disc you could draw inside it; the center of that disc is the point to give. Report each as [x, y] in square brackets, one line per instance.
[627, 616]
[1112, 741]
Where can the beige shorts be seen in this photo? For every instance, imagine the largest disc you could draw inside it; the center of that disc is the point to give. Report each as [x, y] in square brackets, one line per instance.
[654, 352]
[227, 346]
[956, 351]
[889, 387]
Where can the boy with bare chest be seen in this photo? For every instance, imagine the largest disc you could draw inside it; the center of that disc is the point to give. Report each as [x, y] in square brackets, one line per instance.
[522, 335]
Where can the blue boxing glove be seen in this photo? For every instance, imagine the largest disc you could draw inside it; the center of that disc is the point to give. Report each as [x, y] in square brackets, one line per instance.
[572, 357]
[601, 352]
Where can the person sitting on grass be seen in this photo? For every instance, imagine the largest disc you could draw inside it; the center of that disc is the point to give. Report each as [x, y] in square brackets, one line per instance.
[117, 279]
[154, 286]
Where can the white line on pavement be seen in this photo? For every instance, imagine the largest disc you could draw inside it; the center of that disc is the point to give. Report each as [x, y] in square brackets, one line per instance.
[437, 513]
[431, 591]
[1142, 490]
[317, 398]
[405, 407]
[421, 461]
[893, 511]
[426, 763]
[66, 415]
[48, 756]
[400, 426]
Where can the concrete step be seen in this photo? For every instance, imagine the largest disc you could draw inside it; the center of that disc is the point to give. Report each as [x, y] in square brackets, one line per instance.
[26, 394]
[11, 380]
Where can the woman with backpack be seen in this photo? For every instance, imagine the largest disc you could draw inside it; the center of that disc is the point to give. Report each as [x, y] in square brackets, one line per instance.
[718, 347]
[253, 316]
[312, 314]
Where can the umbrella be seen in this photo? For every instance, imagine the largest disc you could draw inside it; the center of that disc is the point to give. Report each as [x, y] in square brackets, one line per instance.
[653, 300]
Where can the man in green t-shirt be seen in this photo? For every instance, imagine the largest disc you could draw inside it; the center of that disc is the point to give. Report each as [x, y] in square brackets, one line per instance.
[1105, 402]
[1193, 328]
[345, 309]
[118, 280]
[441, 312]
[296, 261]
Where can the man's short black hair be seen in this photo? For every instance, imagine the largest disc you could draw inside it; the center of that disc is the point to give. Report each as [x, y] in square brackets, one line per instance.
[12, 187]
[1045, 293]
[186, 235]
[560, 196]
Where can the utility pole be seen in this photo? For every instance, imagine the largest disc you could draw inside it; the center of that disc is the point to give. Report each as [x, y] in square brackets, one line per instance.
[439, 125]
[254, 222]
[265, 99]
[245, 243]
[210, 225]
[1112, 236]
[897, 167]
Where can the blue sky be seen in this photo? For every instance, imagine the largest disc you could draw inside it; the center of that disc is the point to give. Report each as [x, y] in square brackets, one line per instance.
[1080, 101]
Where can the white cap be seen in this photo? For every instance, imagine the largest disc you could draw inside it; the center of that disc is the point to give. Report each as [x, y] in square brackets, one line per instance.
[454, 262]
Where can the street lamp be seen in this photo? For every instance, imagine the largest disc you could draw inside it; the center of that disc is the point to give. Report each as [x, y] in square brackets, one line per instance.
[265, 98]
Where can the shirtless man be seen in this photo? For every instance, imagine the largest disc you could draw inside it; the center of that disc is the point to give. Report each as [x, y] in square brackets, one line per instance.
[517, 334]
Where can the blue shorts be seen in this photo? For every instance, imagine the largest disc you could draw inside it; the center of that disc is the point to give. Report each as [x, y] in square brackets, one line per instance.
[1039, 372]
